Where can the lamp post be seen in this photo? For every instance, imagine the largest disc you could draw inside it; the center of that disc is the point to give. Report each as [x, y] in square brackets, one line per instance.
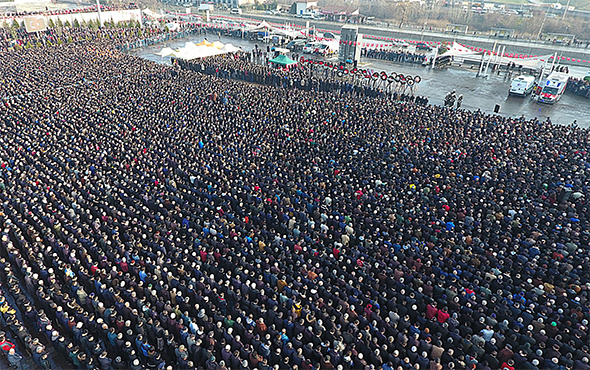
[424, 26]
[98, 10]
[542, 24]
[565, 10]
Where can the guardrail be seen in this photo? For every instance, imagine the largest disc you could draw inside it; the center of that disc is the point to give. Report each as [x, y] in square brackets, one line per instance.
[387, 26]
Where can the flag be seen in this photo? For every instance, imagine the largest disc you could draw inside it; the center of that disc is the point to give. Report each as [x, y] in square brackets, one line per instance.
[35, 24]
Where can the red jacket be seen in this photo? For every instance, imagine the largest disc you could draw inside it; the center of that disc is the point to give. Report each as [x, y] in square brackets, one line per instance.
[505, 366]
[442, 316]
[431, 312]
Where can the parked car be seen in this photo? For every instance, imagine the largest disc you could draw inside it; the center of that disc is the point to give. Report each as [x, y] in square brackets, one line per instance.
[400, 44]
[422, 46]
[296, 45]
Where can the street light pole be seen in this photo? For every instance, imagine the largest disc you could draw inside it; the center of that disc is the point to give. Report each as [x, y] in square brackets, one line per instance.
[565, 11]
[542, 24]
[424, 26]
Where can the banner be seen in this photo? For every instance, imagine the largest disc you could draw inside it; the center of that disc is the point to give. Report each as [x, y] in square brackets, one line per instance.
[35, 24]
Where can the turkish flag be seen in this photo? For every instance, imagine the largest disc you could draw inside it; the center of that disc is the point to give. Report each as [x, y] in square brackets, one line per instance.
[35, 24]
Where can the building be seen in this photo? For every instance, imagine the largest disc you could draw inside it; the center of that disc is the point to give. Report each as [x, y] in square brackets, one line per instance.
[303, 7]
[229, 3]
[338, 13]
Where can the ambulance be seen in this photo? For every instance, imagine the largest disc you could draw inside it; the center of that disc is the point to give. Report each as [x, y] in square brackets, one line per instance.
[553, 88]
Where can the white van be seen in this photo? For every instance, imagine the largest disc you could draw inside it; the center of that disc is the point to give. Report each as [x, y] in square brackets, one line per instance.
[327, 48]
[522, 86]
[236, 11]
[310, 47]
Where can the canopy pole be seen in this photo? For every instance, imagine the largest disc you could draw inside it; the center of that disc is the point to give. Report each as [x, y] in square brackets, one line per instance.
[490, 58]
[434, 57]
[481, 65]
[98, 11]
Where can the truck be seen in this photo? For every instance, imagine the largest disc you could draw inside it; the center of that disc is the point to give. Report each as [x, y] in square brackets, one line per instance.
[553, 88]
[205, 7]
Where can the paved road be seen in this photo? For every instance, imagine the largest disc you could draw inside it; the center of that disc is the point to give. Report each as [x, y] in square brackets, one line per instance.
[513, 46]
[479, 93]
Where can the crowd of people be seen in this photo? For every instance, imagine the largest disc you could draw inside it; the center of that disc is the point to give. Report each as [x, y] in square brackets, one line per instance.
[579, 86]
[19, 38]
[11, 16]
[251, 67]
[398, 56]
[157, 217]
[241, 67]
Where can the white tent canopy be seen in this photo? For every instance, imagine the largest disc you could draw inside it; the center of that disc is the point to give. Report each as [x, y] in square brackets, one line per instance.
[151, 14]
[286, 32]
[217, 45]
[166, 52]
[261, 26]
[459, 52]
[229, 48]
[532, 63]
[198, 52]
[192, 51]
